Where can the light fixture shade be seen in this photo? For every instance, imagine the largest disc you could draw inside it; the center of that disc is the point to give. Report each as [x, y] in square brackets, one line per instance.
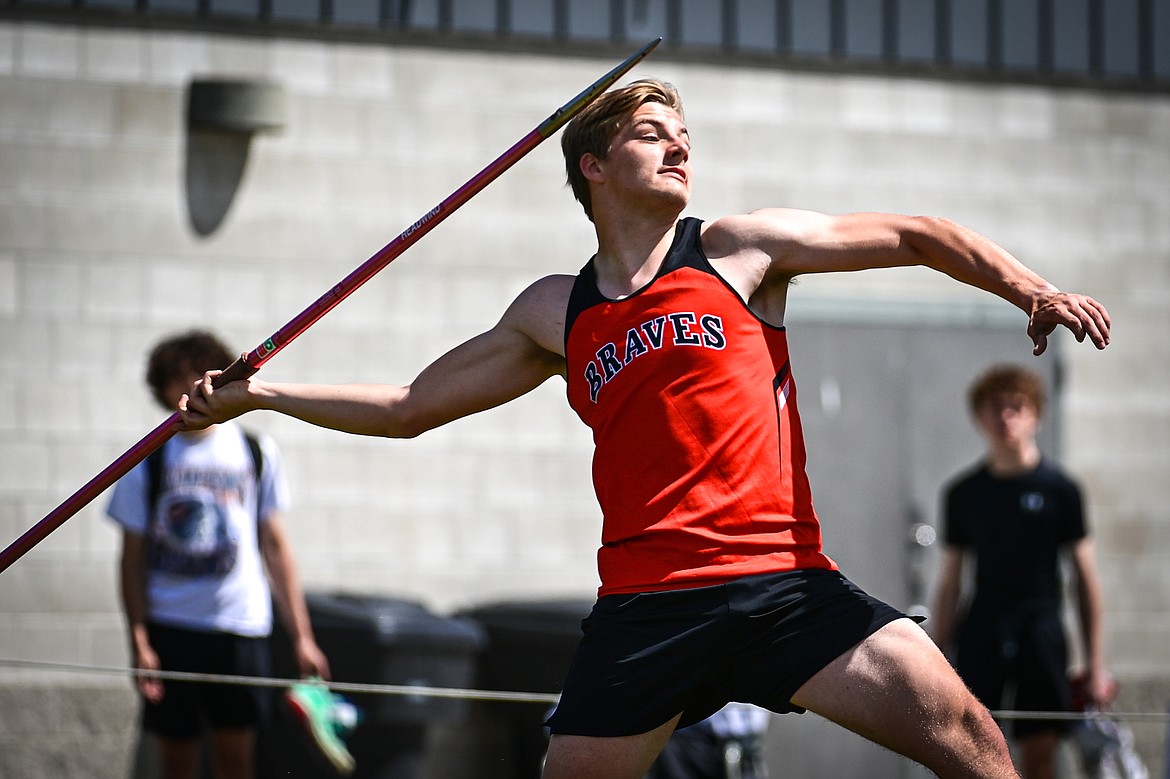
[236, 105]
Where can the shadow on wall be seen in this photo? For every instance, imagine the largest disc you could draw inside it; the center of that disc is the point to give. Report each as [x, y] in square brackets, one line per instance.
[222, 117]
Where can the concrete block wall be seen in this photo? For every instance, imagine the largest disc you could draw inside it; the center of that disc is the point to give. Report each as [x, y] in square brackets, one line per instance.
[98, 259]
[59, 726]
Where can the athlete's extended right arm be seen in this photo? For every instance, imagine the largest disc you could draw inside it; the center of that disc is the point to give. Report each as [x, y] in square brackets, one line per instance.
[486, 371]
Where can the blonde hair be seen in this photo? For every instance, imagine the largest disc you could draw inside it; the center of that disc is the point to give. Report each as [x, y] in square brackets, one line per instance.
[593, 130]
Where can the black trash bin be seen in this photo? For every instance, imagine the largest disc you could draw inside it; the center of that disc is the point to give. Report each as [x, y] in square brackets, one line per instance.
[380, 640]
[530, 645]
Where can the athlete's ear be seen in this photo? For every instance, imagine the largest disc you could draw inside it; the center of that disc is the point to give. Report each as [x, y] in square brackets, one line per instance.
[591, 167]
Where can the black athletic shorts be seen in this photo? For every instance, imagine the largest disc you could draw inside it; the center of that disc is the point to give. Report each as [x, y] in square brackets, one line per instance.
[646, 657]
[187, 706]
[1017, 662]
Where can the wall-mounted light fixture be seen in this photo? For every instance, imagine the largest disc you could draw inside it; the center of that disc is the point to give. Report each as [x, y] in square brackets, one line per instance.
[236, 105]
[222, 116]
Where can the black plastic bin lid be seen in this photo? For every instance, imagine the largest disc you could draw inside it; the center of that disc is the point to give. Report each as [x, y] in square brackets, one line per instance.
[551, 617]
[389, 620]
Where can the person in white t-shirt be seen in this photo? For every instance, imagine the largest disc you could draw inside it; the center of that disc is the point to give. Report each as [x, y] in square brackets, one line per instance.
[204, 554]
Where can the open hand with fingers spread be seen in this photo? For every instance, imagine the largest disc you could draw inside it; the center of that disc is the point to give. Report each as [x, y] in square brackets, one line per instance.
[1081, 314]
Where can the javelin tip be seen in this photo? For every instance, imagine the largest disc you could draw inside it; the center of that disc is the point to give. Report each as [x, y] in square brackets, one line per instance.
[562, 115]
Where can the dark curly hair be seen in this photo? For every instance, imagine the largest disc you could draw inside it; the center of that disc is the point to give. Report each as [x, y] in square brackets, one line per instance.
[197, 351]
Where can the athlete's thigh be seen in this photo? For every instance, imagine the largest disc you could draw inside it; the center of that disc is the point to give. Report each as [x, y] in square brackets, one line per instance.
[895, 687]
[608, 757]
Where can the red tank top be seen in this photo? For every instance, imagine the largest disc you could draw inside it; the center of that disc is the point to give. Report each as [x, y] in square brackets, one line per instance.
[699, 458]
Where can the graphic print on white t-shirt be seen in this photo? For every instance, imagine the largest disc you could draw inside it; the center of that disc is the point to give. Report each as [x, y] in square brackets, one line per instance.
[189, 536]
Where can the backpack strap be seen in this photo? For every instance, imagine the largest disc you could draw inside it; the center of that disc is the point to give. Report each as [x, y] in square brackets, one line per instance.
[154, 466]
[257, 456]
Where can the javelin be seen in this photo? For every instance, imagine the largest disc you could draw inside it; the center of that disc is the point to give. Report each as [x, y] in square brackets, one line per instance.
[250, 362]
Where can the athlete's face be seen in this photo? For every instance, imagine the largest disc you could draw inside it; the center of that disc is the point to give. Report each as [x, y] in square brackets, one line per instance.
[650, 157]
[1008, 418]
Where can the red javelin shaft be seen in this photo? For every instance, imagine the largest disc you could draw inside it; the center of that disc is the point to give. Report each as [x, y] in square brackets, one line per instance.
[249, 363]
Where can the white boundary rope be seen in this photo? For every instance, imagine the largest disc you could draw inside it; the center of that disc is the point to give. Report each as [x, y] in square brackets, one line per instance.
[1133, 716]
[412, 691]
[418, 691]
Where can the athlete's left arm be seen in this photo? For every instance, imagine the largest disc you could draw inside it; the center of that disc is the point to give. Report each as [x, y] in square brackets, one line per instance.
[277, 553]
[945, 613]
[772, 246]
[1090, 607]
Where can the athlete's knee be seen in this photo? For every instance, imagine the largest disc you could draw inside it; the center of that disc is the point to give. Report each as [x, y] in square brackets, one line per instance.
[982, 730]
[973, 744]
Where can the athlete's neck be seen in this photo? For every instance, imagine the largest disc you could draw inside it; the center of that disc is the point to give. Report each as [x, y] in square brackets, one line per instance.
[1010, 461]
[630, 252]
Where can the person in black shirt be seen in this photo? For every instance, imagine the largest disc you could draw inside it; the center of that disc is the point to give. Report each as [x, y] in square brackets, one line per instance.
[1018, 515]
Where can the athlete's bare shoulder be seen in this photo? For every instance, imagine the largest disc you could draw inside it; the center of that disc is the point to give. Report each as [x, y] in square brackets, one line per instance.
[539, 311]
[737, 249]
[764, 230]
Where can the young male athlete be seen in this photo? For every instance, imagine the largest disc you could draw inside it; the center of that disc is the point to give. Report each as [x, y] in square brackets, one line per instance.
[1016, 515]
[713, 583]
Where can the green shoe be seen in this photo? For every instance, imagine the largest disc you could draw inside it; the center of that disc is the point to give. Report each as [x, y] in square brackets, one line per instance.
[329, 718]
